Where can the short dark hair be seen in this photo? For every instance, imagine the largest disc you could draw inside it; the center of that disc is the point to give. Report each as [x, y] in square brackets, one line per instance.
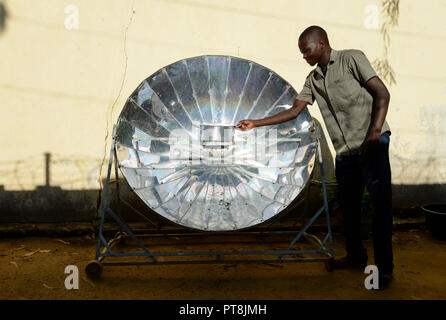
[314, 32]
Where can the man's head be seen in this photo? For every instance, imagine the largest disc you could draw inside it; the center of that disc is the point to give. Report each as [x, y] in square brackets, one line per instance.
[313, 43]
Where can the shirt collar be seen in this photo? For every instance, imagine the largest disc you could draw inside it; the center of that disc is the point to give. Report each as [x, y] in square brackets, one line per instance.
[333, 56]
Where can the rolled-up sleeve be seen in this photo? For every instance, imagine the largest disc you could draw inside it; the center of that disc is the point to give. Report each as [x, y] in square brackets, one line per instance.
[360, 66]
[306, 94]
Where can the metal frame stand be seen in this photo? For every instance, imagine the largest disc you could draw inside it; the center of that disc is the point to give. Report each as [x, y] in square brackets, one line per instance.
[94, 268]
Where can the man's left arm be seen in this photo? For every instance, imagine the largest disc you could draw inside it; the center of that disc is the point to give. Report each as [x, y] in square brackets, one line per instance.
[363, 71]
[381, 98]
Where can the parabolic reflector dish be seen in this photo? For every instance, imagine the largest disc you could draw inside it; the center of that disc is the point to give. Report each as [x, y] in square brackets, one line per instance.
[178, 149]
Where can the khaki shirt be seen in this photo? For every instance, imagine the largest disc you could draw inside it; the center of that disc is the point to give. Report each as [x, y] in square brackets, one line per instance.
[345, 103]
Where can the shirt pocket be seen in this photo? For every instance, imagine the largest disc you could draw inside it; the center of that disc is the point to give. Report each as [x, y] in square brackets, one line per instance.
[345, 91]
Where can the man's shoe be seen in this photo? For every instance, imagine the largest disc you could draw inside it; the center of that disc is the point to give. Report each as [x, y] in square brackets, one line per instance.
[349, 263]
[385, 279]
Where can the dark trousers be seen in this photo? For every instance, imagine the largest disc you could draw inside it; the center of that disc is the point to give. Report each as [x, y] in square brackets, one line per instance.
[353, 174]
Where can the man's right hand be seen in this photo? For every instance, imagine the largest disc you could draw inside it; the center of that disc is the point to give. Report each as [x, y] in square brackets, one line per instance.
[281, 117]
[244, 125]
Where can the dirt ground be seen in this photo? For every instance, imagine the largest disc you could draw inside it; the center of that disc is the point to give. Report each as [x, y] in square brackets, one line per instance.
[33, 268]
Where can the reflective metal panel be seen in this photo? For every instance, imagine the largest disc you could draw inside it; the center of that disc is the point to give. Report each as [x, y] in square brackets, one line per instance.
[178, 150]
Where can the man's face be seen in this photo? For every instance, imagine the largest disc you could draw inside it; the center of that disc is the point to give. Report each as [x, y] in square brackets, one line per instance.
[311, 50]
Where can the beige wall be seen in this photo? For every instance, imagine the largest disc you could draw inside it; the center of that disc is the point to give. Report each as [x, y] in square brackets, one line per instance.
[61, 90]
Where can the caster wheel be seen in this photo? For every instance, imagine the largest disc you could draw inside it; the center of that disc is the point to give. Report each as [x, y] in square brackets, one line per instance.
[329, 265]
[94, 269]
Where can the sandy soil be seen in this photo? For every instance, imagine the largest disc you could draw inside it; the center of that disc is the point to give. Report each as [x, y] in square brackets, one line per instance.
[33, 268]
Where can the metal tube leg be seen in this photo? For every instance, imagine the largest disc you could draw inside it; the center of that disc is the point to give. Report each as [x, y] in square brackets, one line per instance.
[324, 189]
[104, 204]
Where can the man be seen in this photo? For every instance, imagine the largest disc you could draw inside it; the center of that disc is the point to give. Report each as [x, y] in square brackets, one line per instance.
[353, 102]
